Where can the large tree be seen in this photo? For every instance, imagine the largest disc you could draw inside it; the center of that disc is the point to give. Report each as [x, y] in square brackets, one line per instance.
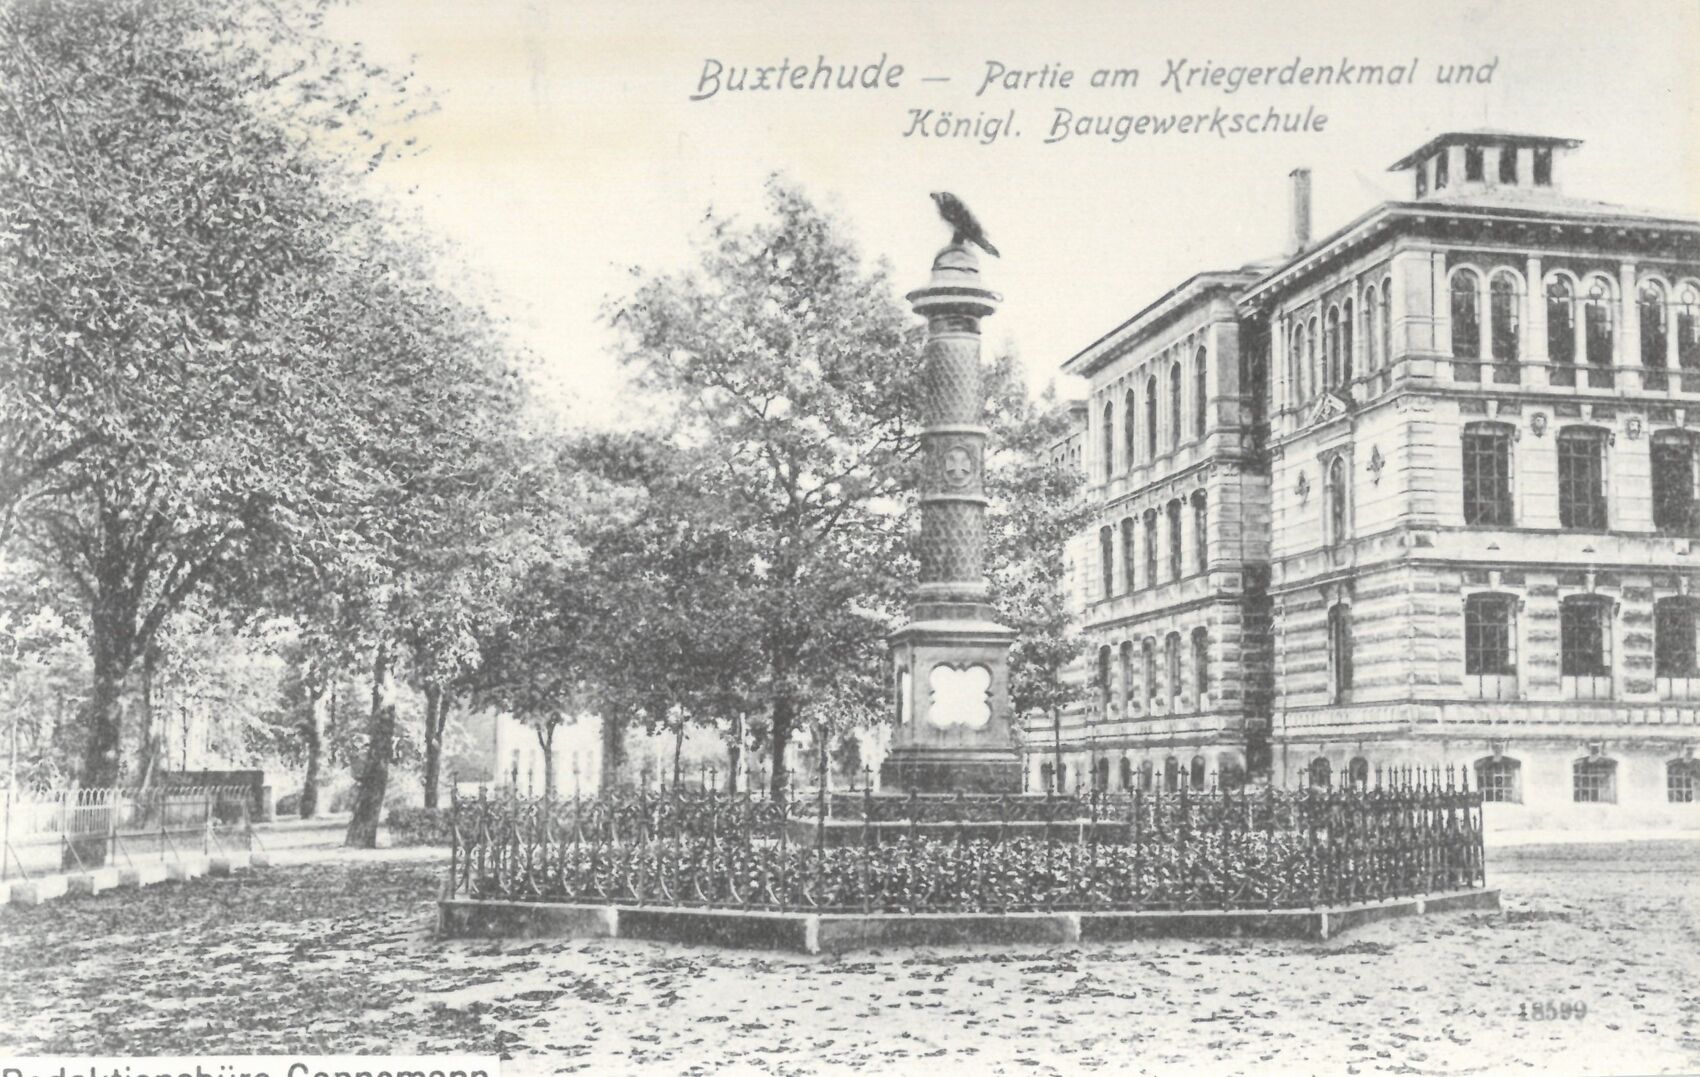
[790, 365]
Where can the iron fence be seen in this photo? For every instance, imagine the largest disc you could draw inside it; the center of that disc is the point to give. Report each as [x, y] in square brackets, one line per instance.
[1228, 848]
[83, 828]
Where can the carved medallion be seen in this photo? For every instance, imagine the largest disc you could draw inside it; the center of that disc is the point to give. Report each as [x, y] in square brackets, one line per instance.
[958, 467]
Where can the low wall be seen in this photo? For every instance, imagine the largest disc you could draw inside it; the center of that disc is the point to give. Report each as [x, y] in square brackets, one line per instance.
[814, 933]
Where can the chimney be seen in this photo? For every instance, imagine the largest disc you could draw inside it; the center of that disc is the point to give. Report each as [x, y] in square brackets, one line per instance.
[1301, 209]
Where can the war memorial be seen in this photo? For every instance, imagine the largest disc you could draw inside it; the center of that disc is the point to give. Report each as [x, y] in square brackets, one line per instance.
[949, 849]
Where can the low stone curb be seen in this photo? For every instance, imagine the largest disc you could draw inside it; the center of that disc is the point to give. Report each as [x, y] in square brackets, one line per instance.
[99, 880]
[814, 933]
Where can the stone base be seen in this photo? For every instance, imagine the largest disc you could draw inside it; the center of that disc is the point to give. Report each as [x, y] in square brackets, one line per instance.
[935, 771]
[814, 933]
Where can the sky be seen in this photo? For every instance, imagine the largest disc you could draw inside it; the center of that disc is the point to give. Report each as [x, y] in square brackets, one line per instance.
[567, 148]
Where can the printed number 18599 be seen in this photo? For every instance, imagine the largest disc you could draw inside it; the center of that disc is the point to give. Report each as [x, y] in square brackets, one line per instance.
[1552, 1011]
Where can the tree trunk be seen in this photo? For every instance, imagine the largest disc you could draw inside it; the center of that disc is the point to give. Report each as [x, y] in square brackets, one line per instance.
[613, 752]
[103, 719]
[150, 739]
[436, 713]
[546, 741]
[375, 776]
[784, 719]
[313, 733]
[734, 754]
[678, 753]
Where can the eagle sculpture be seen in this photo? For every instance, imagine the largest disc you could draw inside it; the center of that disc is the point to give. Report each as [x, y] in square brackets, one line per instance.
[965, 227]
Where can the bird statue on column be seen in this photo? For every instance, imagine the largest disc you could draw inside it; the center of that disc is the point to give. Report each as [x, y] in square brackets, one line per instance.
[965, 228]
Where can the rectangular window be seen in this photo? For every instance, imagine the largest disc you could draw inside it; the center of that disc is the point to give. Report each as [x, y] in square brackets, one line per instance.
[1674, 477]
[1489, 647]
[1584, 638]
[1508, 164]
[1674, 642]
[1148, 670]
[1487, 476]
[1441, 168]
[1543, 166]
[1473, 164]
[1581, 480]
[1595, 782]
[1682, 779]
[1497, 780]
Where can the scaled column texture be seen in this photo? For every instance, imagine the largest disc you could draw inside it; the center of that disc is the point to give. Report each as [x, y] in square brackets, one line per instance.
[951, 661]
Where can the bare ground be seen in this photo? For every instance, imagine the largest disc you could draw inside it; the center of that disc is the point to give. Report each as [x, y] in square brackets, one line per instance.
[338, 957]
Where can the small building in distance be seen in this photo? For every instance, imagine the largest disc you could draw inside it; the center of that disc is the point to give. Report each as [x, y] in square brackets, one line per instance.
[1423, 492]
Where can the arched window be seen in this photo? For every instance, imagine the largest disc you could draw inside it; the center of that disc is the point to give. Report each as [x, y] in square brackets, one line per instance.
[1103, 682]
[1331, 349]
[1466, 325]
[1346, 359]
[1151, 418]
[1201, 664]
[1505, 322]
[1148, 670]
[1296, 360]
[1313, 358]
[1201, 392]
[1130, 443]
[1200, 532]
[1688, 337]
[1561, 331]
[1125, 653]
[1499, 778]
[1320, 774]
[1174, 404]
[1107, 556]
[1172, 669]
[1682, 781]
[1129, 559]
[1171, 774]
[1473, 169]
[1197, 770]
[1047, 775]
[1357, 773]
[1487, 474]
[1582, 478]
[1655, 335]
[1150, 547]
[1340, 651]
[1490, 645]
[1594, 781]
[1101, 775]
[1336, 495]
[1387, 321]
[1373, 357]
[1147, 776]
[1109, 440]
[1585, 646]
[1676, 483]
[1126, 774]
[1442, 173]
[1176, 542]
[1599, 332]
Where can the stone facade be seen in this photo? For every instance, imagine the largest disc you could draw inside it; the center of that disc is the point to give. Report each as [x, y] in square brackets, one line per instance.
[1449, 466]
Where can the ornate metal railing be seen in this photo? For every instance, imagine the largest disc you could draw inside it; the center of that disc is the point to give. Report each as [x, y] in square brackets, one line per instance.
[1226, 849]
